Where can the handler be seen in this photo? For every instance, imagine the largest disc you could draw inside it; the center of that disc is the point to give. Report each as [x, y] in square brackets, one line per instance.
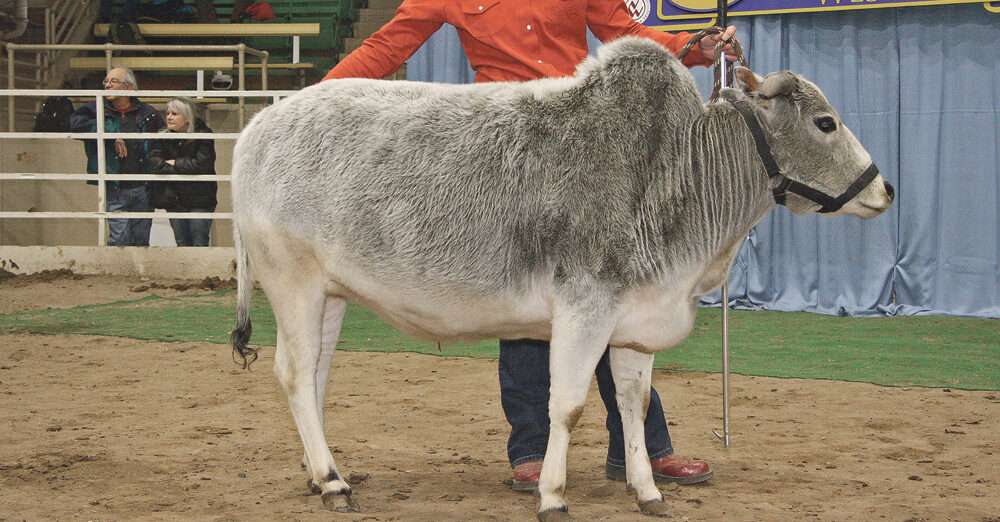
[508, 40]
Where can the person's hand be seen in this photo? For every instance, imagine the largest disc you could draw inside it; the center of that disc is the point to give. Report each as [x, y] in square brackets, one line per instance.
[171, 162]
[709, 42]
[120, 149]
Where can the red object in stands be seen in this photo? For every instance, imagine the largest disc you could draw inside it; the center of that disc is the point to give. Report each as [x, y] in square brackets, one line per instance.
[260, 11]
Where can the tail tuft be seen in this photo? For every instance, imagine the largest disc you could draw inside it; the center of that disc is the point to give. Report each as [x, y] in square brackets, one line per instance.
[240, 338]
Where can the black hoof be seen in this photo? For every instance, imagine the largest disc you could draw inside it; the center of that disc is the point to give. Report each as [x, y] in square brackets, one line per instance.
[340, 502]
[654, 508]
[555, 515]
[314, 488]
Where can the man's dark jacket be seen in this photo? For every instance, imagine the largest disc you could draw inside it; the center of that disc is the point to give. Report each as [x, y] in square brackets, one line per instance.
[139, 117]
[190, 157]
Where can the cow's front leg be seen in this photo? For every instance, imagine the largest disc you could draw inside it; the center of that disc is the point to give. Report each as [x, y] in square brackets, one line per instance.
[579, 339]
[632, 372]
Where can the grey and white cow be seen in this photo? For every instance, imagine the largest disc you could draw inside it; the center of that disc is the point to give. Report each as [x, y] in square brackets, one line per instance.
[591, 211]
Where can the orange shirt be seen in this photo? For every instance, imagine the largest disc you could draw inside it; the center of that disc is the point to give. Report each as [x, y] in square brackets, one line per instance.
[505, 40]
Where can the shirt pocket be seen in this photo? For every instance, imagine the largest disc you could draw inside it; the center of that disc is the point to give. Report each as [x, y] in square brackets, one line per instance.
[565, 18]
[482, 18]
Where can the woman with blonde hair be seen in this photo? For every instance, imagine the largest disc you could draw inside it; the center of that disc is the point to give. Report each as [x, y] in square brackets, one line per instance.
[185, 156]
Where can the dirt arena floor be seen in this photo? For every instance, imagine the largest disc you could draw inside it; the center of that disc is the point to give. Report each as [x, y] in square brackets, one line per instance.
[101, 428]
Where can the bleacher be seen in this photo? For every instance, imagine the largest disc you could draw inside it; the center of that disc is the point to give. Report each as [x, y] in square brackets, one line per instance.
[308, 59]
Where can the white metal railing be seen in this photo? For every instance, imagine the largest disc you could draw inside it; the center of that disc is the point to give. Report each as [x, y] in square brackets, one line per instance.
[60, 22]
[241, 50]
[102, 177]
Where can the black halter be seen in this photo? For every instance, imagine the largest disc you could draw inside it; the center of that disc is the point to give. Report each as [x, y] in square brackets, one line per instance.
[786, 185]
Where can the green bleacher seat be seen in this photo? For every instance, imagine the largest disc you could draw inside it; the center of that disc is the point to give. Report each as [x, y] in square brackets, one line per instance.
[334, 16]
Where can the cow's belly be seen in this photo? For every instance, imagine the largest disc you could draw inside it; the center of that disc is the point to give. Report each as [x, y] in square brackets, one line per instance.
[655, 318]
[453, 314]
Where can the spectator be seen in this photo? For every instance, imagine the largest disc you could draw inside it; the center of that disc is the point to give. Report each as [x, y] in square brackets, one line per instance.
[122, 113]
[185, 156]
[128, 13]
[517, 41]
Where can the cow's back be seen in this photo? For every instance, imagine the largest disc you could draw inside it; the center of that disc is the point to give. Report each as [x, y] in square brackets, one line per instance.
[411, 180]
[452, 187]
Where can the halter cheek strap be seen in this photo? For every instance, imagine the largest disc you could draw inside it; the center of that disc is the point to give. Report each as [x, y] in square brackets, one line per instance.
[786, 185]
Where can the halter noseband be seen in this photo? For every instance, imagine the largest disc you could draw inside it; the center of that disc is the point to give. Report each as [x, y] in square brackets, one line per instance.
[786, 185]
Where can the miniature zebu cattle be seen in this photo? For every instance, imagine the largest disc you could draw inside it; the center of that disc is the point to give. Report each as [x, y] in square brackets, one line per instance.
[590, 210]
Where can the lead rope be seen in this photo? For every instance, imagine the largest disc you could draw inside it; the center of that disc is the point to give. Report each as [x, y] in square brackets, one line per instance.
[717, 57]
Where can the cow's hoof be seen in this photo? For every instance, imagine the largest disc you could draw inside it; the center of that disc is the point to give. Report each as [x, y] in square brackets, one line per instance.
[654, 508]
[340, 502]
[314, 488]
[555, 515]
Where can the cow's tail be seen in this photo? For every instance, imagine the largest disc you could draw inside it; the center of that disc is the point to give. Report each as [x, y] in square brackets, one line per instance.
[240, 335]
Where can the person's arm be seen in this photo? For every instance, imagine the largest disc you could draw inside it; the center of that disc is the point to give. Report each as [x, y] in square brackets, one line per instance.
[382, 53]
[83, 119]
[203, 161]
[157, 158]
[608, 19]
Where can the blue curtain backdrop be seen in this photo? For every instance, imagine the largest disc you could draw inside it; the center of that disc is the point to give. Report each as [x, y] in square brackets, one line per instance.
[920, 87]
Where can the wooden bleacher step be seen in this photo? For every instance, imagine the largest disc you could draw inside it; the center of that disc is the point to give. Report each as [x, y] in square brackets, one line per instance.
[218, 30]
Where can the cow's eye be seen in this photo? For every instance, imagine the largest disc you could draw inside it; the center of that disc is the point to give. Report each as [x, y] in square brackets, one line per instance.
[826, 124]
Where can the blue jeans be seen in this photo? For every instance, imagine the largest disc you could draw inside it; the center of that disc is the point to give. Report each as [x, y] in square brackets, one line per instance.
[524, 395]
[192, 232]
[128, 232]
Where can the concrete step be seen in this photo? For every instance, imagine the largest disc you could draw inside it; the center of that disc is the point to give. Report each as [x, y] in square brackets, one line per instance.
[384, 4]
[376, 15]
[351, 44]
[363, 29]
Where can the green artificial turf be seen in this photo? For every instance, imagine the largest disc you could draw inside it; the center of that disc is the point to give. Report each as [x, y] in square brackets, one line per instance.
[899, 351]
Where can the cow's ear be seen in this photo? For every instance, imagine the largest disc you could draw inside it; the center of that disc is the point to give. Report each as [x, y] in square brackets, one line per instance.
[779, 84]
[746, 80]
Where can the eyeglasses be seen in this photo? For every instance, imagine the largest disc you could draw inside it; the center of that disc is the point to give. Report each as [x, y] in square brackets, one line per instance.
[114, 81]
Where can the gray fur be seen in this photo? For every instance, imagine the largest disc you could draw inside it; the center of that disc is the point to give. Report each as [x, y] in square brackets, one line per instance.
[591, 210]
[619, 172]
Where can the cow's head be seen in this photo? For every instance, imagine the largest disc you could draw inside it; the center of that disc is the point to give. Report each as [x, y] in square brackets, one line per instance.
[810, 143]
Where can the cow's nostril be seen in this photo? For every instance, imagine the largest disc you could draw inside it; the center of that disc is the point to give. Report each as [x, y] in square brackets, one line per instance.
[890, 191]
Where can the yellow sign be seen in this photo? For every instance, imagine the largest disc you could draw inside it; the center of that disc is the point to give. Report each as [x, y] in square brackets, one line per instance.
[700, 5]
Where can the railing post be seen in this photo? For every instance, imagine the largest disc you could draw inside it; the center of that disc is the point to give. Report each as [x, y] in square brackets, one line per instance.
[101, 172]
[107, 57]
[242, 51]
[263, 71]
[10, 85]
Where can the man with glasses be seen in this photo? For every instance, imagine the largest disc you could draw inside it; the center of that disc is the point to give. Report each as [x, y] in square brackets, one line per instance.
[122, 113]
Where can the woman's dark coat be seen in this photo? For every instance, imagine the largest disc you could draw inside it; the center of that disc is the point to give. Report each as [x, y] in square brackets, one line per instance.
[191, 157]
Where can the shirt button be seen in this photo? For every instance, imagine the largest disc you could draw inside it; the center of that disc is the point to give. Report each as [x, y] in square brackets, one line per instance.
[539, 61]
[480, 8]
[529, 27]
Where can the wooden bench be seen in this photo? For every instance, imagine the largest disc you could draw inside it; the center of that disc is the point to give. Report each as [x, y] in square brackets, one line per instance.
[293, 30]
[161, 63]
[220, 29]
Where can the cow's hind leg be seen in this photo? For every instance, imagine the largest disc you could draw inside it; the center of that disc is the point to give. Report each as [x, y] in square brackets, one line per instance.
[578, 342]
[300, 310]
[333, 318]
[632, 372]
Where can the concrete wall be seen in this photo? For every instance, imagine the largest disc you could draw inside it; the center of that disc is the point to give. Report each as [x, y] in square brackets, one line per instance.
[171, 262]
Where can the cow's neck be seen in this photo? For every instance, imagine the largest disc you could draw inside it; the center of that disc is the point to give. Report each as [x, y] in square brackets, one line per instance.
[712, 197]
